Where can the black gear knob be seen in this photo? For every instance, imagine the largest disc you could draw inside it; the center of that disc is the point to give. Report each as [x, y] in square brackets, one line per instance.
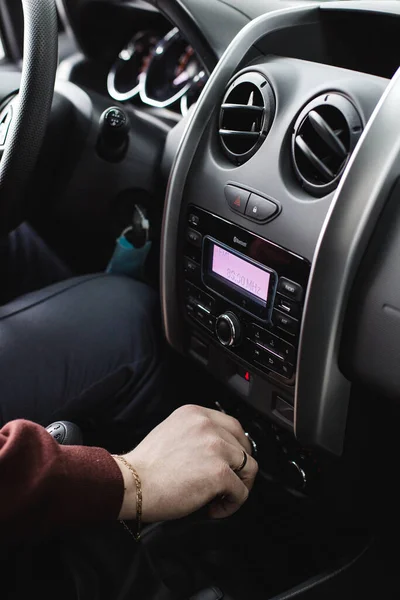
[65, 433]
[114, 134]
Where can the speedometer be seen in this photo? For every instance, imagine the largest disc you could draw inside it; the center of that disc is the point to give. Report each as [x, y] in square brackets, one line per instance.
[194, 92]
[171, 72]
[123, 78]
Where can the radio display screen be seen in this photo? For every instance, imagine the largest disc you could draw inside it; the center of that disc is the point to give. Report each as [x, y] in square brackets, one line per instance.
[240, 273]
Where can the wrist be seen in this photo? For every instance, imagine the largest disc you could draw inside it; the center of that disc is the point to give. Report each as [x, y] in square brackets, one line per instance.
[128, 507]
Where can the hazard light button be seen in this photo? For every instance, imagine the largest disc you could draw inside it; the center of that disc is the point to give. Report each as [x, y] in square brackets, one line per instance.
[237, 198]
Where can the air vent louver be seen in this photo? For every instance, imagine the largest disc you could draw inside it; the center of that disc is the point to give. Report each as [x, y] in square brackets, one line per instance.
[246, 115]
[324, 137]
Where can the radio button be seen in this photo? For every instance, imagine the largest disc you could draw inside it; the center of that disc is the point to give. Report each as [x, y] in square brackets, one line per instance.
[287, 351]
[291, 289]
[266, 359]
[210, 323]
[201, 315]
[236, 198]
[228, 329]
[265, 338]
[190, 308]
[194, 219]
[192, 292]
[207, 301]
[286, 370]
[285, 323]
[288, 306]
[259, 208]
[194, 237]
[192, 268]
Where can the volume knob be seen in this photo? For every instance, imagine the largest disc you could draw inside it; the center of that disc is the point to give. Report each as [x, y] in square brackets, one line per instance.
[228, 329]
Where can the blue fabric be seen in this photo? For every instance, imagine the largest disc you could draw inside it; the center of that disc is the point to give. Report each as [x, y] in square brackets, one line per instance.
[128, 260]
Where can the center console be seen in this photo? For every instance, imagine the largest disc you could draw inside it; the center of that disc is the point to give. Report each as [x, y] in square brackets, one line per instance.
[245, 292]
[242, 298]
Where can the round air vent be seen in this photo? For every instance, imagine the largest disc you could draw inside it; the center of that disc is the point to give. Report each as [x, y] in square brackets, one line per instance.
[245, 116]
[324, 136]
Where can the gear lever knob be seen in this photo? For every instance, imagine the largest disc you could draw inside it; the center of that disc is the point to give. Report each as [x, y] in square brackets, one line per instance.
[65, 433]
[114, 134]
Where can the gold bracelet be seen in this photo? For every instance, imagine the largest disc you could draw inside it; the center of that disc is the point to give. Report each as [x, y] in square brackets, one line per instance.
[138, 485]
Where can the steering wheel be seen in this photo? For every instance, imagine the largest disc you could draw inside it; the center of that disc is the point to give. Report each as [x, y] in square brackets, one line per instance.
[322, 391]
[24, 117]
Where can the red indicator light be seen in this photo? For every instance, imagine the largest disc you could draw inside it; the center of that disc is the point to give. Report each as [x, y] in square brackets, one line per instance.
[247, 376]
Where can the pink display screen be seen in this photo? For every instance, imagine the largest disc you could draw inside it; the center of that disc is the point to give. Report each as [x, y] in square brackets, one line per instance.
[241, 273]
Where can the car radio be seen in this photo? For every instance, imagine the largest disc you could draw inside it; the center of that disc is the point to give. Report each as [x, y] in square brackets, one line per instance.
[245, 292]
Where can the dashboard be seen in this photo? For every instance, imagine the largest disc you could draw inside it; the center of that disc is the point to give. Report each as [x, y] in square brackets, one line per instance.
[162, 71]
[251, 290]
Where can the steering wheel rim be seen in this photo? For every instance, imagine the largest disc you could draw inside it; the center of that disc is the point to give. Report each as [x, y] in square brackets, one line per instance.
[32, 109]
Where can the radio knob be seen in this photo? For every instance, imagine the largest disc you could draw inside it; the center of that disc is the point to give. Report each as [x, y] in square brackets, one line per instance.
[228, 329]
[296, 476]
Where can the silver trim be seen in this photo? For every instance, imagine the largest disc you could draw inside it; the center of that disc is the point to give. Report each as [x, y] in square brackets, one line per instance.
[253, 444]
[204, 309]
[231, 324]
[126, 55]
[301, 473]
[158, 51]
[351, 219]
[113, 92]
[270, 351]
[184, 107]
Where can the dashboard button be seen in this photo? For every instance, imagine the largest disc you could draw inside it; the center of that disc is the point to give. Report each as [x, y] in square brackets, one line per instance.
[291, 289]
[264, 337]
[286, 323]
[236, 198]
[286, 370]
[287, 351]
[201, 315]
[191, 267]
[207, 301]
[190, 308]
[210, 323]
[260, 209]
[194, 237]
[192, 292]
[266, 359]
[194, 220]
[289, 307]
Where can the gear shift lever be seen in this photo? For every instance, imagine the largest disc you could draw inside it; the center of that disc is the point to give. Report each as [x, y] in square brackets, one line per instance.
[65, 433]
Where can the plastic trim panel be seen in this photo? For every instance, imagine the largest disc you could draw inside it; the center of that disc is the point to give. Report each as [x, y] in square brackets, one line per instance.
[322, 392]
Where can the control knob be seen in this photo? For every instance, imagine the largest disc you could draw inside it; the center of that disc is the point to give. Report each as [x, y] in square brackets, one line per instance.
[296, 476]
[228, 329]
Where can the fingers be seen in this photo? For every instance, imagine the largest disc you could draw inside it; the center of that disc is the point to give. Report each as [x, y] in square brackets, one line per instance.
[248, 473]
[229, 438]
[234, 494]
[233, 456]
[233, 426]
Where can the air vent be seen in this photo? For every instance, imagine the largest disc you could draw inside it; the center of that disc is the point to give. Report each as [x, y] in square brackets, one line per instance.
[246, 115]
[325, 135]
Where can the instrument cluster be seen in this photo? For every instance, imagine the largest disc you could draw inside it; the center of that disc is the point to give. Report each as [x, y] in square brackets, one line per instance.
[161, 71]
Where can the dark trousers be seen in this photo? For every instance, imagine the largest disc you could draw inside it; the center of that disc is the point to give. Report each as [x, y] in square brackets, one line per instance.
[85, 349]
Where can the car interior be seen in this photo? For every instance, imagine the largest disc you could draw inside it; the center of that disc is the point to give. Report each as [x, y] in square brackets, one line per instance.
[261, 140]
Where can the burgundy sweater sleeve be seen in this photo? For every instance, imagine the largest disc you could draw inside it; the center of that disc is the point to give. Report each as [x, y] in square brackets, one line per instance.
[45, 486]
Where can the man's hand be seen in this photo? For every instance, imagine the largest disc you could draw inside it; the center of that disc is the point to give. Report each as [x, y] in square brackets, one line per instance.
[187, 462]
